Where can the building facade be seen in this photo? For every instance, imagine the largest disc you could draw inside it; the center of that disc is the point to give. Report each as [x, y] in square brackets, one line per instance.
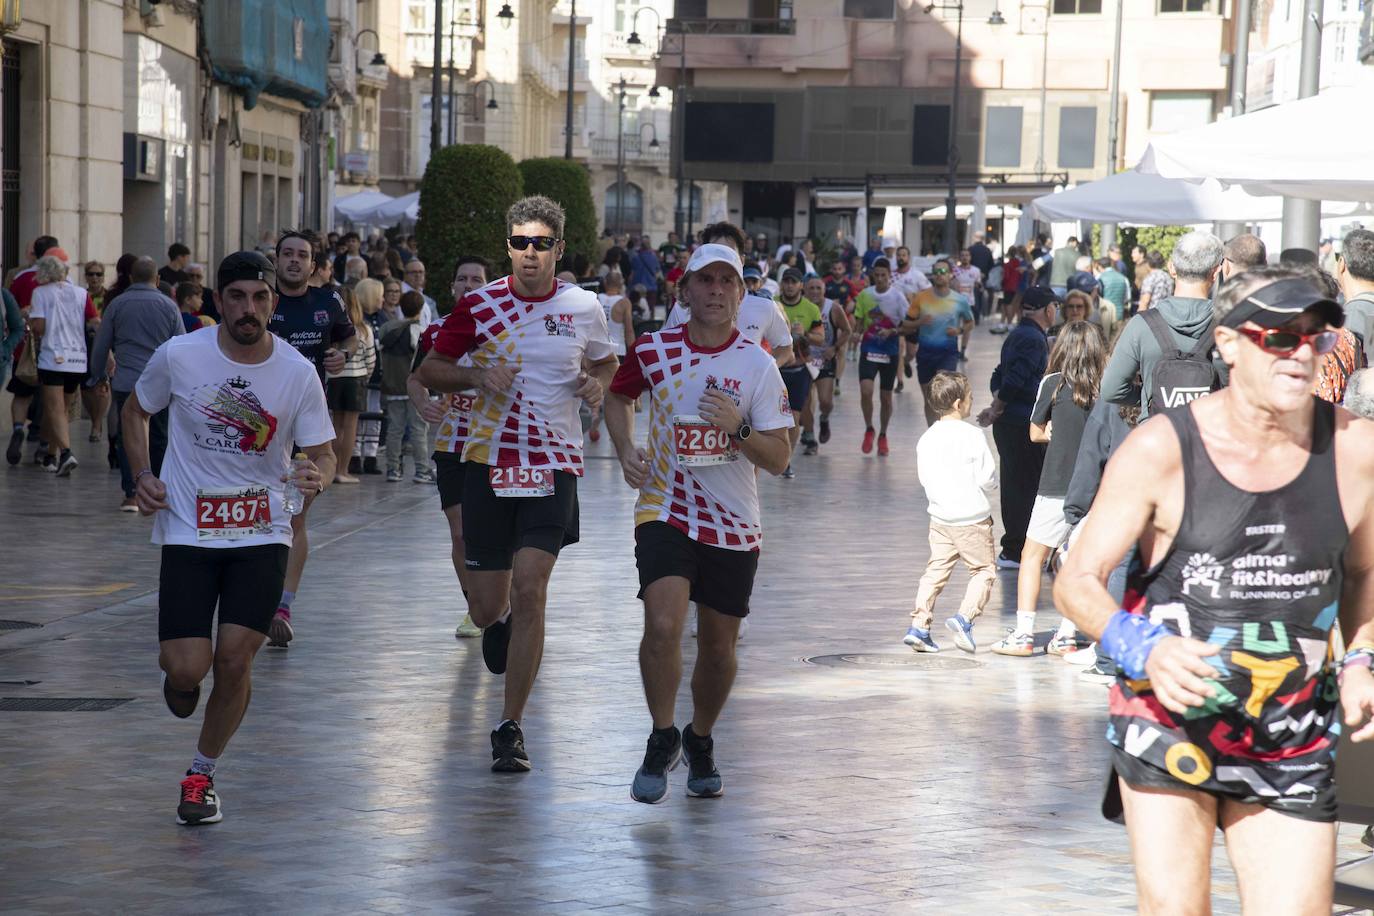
[771, 104]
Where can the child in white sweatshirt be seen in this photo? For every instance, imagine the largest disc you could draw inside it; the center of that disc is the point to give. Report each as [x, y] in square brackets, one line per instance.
[957, 471]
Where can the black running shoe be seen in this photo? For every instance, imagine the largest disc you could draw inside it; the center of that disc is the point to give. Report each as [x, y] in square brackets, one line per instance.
[16, 446]
[906, 369]
[508, 749]
[661, 757]
[825, 430]
[703, 779]
[199, 803]
[182, 703]
[495, 646]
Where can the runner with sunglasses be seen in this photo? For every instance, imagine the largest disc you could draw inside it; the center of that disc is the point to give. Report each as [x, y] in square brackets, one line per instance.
[1250, 508]
[537, 346]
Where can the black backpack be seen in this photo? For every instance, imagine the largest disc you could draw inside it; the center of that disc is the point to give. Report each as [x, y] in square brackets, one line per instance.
[1179, 377]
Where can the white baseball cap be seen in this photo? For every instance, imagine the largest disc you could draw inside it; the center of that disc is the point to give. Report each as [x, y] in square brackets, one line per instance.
[712, 254]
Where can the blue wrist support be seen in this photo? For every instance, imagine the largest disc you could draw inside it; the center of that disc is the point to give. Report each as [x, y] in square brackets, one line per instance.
[1128, 640]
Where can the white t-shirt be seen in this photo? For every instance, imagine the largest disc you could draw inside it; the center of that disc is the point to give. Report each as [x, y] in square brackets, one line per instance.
[912, 281]
[616, 328]
[713, 499]
[63, 307]
[535, 424]
[955, 467]
[759, 319]
[231, 429]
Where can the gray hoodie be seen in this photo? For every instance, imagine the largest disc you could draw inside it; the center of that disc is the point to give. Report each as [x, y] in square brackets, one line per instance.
[1137, 351]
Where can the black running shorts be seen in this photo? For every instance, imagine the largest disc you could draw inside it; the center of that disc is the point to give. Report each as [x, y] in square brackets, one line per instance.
[722, 580]
[798, 383]
[449, 468]
[495, 527]
[827, 371]
[243, 582]
[69, 382]
[886, 374]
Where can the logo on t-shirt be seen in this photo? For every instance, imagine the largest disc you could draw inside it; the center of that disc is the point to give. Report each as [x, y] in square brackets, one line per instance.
[321, 318]
[730, 387]
[560, 325]
[237, 421]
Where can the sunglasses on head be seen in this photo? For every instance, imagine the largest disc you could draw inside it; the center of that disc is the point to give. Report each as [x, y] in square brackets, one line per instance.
[540, 242]
[1286, 343]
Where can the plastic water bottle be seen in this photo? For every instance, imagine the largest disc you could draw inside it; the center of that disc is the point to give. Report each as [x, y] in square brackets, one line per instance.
[292, 499]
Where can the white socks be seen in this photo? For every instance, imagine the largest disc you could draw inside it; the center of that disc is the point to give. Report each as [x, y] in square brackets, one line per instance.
[1025, 622]
[203, 765]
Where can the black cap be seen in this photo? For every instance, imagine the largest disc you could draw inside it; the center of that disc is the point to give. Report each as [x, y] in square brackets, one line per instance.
[245, 265]
[793, 273]
[1036, 298]
[1276, 304]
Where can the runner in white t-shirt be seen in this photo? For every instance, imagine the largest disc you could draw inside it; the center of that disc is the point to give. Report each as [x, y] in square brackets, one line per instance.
[718, 409]
[538, 346]
[620, 323]
[909, 280]
[448, 417]
[238, 398]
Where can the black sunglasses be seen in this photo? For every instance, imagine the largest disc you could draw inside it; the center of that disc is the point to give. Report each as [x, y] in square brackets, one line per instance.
[540, 242]
[95, 273]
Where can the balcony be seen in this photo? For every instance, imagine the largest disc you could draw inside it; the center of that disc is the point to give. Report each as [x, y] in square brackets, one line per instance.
[544, 72]
[733, 26]
[615, 46]
[604, 150]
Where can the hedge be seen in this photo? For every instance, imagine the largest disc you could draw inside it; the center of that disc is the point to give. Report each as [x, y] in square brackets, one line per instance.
[464, 196]
[569, 184]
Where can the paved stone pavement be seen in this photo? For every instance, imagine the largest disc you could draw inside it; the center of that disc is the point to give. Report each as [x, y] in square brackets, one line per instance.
[359, 781]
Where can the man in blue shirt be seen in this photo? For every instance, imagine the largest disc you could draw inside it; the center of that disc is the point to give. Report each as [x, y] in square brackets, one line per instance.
[874, 252]
[1015, 384]
[646, 269]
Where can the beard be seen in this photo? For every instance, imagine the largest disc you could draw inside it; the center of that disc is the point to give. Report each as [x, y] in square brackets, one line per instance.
[246, 331]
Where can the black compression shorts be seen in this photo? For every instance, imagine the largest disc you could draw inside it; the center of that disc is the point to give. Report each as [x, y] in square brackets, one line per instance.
[885, 373]
[495, 527]
[245, 583]
[449, 468]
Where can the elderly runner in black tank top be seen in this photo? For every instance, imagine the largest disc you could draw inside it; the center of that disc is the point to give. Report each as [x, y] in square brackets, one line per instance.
[1249, 507]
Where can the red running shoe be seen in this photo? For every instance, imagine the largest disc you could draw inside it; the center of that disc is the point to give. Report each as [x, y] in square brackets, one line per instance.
[868, 441]
[882, 446]
[199, 803]
[594, 434]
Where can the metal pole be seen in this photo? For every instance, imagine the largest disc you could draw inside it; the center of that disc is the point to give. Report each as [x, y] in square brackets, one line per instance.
[1114, 120]
[679, 129]
[436, 87]
[1240, 59]
[1302, 218]
[1044, 80]
[568, 115]
[452, 109]
[620, 163]
[952, 155]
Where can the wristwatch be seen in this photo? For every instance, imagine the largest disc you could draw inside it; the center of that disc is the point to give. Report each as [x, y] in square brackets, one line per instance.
[744, 432]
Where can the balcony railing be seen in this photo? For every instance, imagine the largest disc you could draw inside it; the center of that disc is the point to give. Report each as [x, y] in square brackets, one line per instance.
[733, 26]
[639, 151]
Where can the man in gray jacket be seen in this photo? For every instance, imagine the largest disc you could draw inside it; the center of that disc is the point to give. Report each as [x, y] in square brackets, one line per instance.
[1195, 265]
[136, 323]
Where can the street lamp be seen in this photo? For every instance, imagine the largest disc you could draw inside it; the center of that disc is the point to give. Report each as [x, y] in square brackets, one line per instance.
[378, 59]
[952, 152]
[653, 141]
[568, 114]
[506, 15]
[620, 159]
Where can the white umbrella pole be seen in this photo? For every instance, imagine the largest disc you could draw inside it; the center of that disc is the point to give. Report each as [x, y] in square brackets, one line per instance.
[1302, 218]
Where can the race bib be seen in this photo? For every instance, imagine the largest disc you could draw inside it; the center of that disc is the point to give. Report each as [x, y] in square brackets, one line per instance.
[878, 359]
[238, 512]
[521, 482]
[701, 444]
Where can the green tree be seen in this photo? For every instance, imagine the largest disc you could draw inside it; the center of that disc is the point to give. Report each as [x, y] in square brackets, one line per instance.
[464, 196]
[566, 183]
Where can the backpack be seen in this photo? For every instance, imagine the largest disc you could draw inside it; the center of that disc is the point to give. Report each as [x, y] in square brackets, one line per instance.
[1179, 377]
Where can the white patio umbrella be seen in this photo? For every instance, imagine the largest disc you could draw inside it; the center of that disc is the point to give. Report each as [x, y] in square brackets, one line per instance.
[356, 208]
[1318, 148]
[405, 208]
[979, 217]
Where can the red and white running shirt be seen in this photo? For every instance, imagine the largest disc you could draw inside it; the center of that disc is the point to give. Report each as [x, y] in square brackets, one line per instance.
[453, 428]
[535, 423]
[698, 481]
[759, 318]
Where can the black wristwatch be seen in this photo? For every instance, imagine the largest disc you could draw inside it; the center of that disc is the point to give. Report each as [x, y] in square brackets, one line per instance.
[744, 432]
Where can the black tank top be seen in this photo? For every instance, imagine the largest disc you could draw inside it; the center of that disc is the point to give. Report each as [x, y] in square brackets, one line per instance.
[1259, 575]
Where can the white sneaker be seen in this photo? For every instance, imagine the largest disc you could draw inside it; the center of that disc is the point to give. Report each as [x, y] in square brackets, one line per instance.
[467, 629]
[743, 628]
[1082, 658]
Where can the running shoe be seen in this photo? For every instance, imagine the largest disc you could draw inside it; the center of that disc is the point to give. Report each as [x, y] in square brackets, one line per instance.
[1019, 645]
[199, 803]
[47, 462]
[15, 451]
[279, 634]
[743, 629]
[1098, 674]
[919, 640]
[129, 504]
[495, 646]
[661, 757]
[1006, 562]
[594, 434]
[467, 629]
[882, 446]
[1062, 645]
[703, 779]
[66, 464]
[869, 434]
[394, 476]
[508, 749]
[962, 631]
[899, 387]
[1081, 658]
[182, 703]
[810, 448]
[789, 473]
[825, 431]
[906, 369]
[422, 476]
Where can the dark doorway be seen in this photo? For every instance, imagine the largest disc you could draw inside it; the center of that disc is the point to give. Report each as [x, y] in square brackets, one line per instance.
[9, 157]
[768, 209]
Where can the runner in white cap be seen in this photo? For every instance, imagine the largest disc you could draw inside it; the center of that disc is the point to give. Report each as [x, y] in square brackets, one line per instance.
[718, 409]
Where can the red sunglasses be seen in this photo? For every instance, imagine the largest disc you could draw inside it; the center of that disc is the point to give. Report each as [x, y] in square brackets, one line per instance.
[1286, 343]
